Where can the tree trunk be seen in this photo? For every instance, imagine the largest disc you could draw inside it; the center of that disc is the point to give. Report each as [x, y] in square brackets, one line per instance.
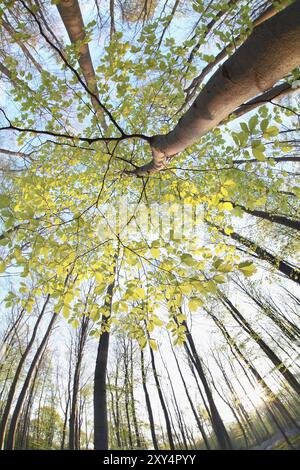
[279, 219]
[76, 382]
[18, 408]
[272, 399]
[271, 51]
[100, 402]
[195, 413]
[148, 403]
[216, 420]
[282, 266]
[71, 16]
[12, 390]
[281, 368]
[268, 13]
[162, 401]
[132, 400]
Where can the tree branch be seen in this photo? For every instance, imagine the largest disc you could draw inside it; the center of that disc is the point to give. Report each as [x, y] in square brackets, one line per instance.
[73, 70]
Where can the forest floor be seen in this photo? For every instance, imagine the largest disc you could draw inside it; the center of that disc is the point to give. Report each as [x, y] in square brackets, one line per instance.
[277, 442]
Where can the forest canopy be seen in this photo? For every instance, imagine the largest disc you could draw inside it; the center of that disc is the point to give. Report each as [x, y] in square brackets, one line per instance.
[149, 185]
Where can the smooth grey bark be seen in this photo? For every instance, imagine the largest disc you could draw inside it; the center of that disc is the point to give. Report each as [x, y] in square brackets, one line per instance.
[100, 401]
[191, 89]
[271, 51]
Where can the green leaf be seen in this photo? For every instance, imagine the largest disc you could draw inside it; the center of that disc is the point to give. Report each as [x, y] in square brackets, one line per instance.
[157, 321]
[187, 259]
[247, 268]
[155, 252]
[153, 344]
[139, 293]
[99, 277]
[259, 155]
[2, 266]
[219, 279]
[194, 303]
[271, 131]
[253, 123]
[4, 201]
[225, 206]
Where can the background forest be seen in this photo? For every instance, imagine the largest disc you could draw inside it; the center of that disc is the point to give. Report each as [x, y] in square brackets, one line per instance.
[149, 288]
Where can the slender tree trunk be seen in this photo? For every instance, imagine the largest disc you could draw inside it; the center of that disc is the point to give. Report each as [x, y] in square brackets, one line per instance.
[127, 397]
[68, 400]
[279, 219]
[217, 422]
[116, 424]
[132, 400]
[162, 401]
[282, 266]
[112, 18]
[177, 409]
[21, 44]
[76, 381]
[148, 403]
[271, 396]
[195, 413]
[281, 368]
[12, 390]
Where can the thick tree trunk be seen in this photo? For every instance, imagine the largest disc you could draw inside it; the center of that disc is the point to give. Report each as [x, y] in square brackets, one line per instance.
[71, 16]
[100, 402]
[271, 51]
[268, 13]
